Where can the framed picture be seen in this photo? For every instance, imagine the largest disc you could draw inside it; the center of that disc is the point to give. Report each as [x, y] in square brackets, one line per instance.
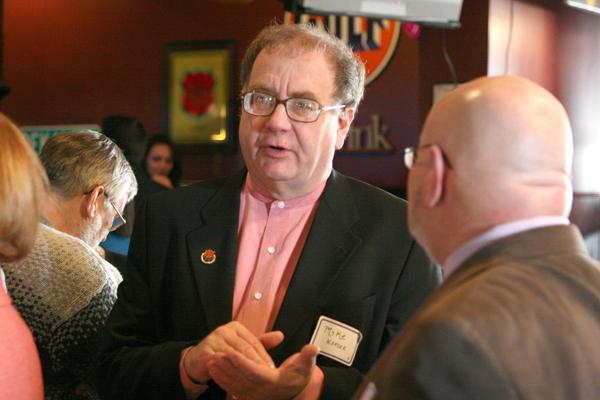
[198, 95]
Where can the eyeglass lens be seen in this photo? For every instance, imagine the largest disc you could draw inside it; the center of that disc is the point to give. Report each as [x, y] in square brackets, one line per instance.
[409, 157]
[298, 109]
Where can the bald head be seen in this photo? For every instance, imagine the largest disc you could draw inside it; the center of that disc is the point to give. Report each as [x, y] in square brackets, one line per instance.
[505, 128]
[508, 146]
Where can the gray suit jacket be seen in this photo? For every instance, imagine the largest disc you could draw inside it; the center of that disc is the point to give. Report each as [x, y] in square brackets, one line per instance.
[358, 266]
[520, 319]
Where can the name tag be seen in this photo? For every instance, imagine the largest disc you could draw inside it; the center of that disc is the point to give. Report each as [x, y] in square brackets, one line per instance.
[336, 340]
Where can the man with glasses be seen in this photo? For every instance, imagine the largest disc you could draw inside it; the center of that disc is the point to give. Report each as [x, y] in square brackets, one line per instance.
[228, 280]
[64, 289]
[518, 316]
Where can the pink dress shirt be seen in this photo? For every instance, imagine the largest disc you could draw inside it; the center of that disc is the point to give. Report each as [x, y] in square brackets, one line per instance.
[271, 238]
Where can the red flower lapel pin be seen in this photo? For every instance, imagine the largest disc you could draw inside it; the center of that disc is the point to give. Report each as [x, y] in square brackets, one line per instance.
[208, 256]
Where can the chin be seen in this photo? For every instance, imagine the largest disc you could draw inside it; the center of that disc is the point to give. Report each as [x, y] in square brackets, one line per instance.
[275, 173]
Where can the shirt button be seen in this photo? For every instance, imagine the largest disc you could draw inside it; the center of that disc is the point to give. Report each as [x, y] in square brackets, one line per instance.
[281, 204]
[270, 249]
[258, 295]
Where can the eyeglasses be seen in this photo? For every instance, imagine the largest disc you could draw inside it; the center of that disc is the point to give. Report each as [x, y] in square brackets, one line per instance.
[410, 156]
[297, 109]
[118, 221]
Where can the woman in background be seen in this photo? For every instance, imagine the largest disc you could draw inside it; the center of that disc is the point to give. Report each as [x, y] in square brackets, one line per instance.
[160, 166]
[160, 170]
[23, 189]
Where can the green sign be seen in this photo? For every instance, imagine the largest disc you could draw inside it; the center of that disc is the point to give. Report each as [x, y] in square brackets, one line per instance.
[37, 135]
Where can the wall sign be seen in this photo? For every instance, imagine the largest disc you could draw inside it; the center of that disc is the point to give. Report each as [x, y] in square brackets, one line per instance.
[371, 138]
[373, 40]
[38, 135]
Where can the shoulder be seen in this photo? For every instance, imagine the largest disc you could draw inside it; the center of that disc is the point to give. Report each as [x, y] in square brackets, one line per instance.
[62, 273]
[364, 193]
[70, 261]
[497, 294]
[197, 193]
[371, 205]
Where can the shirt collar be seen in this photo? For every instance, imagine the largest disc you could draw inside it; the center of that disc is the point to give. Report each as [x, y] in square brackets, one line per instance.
[471, 246]
[307, 199]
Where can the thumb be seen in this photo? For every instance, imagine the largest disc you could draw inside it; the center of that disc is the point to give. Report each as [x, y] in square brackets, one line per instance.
[308, 355]
[271, 339]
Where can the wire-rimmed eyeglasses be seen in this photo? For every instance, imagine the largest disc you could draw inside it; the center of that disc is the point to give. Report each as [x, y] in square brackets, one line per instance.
[297, 109]
[118, 221]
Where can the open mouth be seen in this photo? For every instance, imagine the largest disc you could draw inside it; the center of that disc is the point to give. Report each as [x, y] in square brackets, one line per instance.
[275, 151]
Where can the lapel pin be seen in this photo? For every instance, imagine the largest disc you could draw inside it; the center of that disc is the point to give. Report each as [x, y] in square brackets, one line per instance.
[208, 256]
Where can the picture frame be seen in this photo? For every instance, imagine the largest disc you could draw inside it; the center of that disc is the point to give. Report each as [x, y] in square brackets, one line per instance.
[198, 96]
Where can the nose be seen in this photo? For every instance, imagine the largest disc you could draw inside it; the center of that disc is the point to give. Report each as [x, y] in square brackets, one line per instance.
[279, 119]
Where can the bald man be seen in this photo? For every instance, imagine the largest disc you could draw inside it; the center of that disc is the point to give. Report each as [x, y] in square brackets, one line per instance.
[519, 314]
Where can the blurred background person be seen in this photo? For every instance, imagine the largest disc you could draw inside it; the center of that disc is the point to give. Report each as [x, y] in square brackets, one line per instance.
[64, 289]
[22, 195]
[130, 135]
[161, 168]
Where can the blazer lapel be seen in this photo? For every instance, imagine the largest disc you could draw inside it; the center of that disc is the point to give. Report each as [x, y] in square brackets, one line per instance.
[218, 233]
[329, 244]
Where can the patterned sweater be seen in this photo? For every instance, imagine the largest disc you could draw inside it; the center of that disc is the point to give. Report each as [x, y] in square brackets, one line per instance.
[64, 290]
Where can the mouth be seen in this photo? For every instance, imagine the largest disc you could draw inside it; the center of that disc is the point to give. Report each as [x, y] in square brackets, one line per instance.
[275, 151]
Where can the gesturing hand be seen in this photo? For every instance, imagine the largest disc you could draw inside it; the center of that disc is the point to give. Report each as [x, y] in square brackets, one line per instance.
[231, 338]
[244, 378]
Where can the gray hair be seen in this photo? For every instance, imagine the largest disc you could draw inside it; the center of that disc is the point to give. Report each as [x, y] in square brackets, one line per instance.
[348, 68]
[77, 162]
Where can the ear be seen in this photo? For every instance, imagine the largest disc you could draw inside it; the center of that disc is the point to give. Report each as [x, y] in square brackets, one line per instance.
[8, 252]
[435, 176]
[345, 119]
[91, 202]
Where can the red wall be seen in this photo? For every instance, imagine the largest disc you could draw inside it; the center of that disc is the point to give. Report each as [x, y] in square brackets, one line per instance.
[73, 61]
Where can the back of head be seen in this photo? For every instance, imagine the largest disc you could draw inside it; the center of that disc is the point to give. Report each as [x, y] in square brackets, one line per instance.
[292, 39]
[510, 146]
[77, 162]
[23, 188]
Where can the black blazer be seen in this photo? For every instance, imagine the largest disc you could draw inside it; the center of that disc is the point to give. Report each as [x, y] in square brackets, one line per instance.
[359, 265]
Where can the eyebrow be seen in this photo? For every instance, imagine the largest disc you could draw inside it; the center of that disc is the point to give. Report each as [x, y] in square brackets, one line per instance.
[302, 94]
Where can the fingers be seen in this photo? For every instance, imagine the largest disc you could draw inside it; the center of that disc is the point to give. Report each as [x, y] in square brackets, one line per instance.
[229, 338]
[223, 373]
[241, 377]
[271, 339]
[245, 342]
